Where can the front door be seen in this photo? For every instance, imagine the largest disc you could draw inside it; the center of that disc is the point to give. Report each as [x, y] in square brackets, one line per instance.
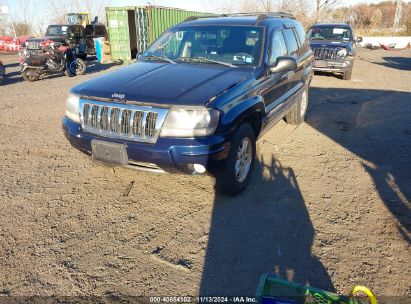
[275, 84]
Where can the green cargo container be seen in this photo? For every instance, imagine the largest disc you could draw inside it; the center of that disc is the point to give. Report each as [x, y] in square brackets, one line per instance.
[131, 29]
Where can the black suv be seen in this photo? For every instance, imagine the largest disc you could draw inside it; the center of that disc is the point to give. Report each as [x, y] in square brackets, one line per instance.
[197, 99]
[334, 48]
[64, 34]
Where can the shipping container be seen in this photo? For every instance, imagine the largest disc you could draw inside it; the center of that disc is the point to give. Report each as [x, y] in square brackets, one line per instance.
[132, 29]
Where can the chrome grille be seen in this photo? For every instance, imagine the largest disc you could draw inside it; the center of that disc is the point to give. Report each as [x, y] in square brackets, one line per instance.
[325, 53]
[125, 122]
[138, 123]
[114, 119]
[151, 123]
[131, 122]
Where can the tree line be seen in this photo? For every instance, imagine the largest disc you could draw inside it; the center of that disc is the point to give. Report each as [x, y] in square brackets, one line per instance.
[376, 17]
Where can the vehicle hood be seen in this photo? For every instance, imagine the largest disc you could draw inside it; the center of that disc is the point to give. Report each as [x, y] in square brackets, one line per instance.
[330, 44]
[164, 83]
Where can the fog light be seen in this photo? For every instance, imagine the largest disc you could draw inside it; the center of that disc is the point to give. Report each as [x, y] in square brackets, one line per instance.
[199, 168]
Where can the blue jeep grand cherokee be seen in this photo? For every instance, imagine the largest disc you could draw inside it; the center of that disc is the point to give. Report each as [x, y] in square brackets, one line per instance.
[334, 48]
[197, 99]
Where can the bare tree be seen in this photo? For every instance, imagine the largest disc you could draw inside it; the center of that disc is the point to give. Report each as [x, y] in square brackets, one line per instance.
[267, 5]
[322, 6]
[95, 8]
[58, 9]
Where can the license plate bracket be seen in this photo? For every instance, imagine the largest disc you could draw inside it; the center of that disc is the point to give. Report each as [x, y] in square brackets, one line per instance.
[321, 64]
[109, 152]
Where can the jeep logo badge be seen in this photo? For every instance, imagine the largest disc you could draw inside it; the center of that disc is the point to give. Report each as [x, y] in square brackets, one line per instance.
[118, 95]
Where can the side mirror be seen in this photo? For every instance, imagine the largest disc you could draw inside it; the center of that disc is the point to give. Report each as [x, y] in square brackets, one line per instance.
[358, 39]
[284, 64]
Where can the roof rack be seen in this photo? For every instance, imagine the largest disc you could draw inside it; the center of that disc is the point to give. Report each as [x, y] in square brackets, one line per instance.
[261, 16]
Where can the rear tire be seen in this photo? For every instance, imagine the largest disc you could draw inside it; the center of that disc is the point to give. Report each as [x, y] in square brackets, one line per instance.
[236, 173]
[297, 113]
[28, 75]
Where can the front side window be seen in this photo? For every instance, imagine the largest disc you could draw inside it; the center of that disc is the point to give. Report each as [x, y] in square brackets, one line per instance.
[278, 47]
[233, 45]
[330, 33]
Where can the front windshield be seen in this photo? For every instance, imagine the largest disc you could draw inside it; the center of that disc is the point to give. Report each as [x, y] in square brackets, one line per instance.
[228, 45]
[330, 33]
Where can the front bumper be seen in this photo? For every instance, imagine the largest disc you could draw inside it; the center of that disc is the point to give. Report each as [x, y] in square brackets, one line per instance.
[171, 155]
[332, 65]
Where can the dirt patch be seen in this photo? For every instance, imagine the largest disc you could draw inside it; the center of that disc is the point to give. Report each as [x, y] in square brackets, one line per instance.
[328, 205]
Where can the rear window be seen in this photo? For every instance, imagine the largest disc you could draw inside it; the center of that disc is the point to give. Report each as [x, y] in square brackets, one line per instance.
[330, 33]
[57, 30]
[291, 41]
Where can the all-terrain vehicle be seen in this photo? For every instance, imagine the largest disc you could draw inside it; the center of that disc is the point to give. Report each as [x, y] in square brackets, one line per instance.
[53, 58]
[197, 99]
[334, 48]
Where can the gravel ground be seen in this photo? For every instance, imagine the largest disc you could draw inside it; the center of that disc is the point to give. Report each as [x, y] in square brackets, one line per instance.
[328, 205]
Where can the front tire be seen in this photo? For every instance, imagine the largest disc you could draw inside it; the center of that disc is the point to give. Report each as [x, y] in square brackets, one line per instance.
[347, 74]
[76, 67]
[81, 67]
[236, 173]
[297, 113]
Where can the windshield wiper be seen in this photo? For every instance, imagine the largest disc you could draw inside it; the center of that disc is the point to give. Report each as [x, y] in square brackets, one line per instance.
[204, 59]
[159, 58]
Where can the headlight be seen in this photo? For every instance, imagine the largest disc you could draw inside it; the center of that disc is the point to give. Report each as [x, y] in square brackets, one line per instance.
[72, 107]
[190, 122]
[342, 53]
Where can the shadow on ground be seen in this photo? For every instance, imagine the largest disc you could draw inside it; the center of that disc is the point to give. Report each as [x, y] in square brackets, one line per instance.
[267, 229]
[94, 66]
[399, 63]
[376, 126]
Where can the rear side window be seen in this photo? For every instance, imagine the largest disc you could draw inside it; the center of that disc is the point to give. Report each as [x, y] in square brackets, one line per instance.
[278, 47]
[301, 34]
[291, 42]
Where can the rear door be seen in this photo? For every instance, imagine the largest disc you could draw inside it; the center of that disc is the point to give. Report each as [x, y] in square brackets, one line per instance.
[293, 47]
[117, 21]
